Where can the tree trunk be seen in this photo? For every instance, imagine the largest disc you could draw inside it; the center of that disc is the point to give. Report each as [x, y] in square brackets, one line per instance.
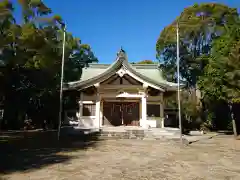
[233, 121]
[234, 128]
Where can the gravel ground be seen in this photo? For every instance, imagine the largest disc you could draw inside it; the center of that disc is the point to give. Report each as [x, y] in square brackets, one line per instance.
[217, 158]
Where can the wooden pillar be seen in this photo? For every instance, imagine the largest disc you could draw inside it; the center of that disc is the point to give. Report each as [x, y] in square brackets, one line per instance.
[101, 112]
[144, 106]
[162, 111]
[97, 116]
[144, 111]
[98, 106]
[162, 114]
[80, 109]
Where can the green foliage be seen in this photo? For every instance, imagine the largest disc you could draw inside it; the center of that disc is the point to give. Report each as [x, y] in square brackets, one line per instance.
[30, 60]
[191, 111]
[209, 56]
[221, 78]
[146, 62]
[198, 26]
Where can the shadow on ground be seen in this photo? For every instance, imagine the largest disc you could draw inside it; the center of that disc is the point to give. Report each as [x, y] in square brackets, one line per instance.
[20, 151]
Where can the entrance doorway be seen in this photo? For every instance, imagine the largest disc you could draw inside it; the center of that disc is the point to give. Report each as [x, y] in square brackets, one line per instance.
[121, 113]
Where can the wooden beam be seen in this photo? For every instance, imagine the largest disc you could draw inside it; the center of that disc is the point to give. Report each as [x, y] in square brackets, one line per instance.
[131, 80]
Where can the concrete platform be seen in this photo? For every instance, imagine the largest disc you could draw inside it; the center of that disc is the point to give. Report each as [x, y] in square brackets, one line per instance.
[125, 132]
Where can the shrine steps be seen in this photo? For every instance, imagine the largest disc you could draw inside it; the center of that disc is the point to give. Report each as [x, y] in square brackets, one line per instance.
[126, 132]
[139, 133]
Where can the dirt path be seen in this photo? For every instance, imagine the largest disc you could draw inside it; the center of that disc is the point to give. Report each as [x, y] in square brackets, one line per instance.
[217, 158]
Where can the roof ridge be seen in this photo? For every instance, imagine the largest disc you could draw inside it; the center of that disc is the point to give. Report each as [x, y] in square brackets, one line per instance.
[145, 66]
[96, 65]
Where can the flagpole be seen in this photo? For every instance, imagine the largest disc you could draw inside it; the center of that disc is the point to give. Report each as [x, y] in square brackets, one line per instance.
[178, 82]
[61, 83]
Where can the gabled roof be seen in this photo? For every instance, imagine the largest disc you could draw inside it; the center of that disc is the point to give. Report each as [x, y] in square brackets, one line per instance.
[147, 73]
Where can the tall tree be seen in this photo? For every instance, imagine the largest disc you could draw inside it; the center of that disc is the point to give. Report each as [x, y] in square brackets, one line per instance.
[221, 78]
[198, 26]
[31, 60]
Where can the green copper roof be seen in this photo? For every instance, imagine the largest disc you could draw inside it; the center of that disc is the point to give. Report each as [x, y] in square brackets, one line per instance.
[90, 72]
[97, 72]
[149, 71]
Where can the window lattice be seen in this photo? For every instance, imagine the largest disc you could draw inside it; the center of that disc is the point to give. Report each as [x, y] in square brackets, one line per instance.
[89, 109]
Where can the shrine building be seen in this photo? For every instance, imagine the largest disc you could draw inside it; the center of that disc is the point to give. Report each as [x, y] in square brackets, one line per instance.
[121, 94]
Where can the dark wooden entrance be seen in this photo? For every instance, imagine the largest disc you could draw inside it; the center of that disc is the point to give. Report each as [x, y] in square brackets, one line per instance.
[121, 113]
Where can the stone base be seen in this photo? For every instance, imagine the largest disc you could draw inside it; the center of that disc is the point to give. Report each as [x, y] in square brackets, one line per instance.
[128, 134]
[139, 133]
[122, 132]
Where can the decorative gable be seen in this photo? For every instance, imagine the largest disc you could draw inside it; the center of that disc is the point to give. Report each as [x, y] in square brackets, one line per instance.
[121, 80]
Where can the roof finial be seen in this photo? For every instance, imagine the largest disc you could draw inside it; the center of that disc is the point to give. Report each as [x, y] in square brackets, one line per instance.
[121, 52]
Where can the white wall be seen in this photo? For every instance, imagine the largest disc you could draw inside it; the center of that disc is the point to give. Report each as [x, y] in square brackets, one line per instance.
[87, 121]
[86, 97]
[156, 100]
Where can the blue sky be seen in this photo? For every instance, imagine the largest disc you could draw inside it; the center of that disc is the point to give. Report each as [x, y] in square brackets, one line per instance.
[109, 24]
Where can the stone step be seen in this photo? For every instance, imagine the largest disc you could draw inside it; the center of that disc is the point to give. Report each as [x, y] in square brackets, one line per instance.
[135, 135]
[165, 134]
[124, 133]
[164, 130]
